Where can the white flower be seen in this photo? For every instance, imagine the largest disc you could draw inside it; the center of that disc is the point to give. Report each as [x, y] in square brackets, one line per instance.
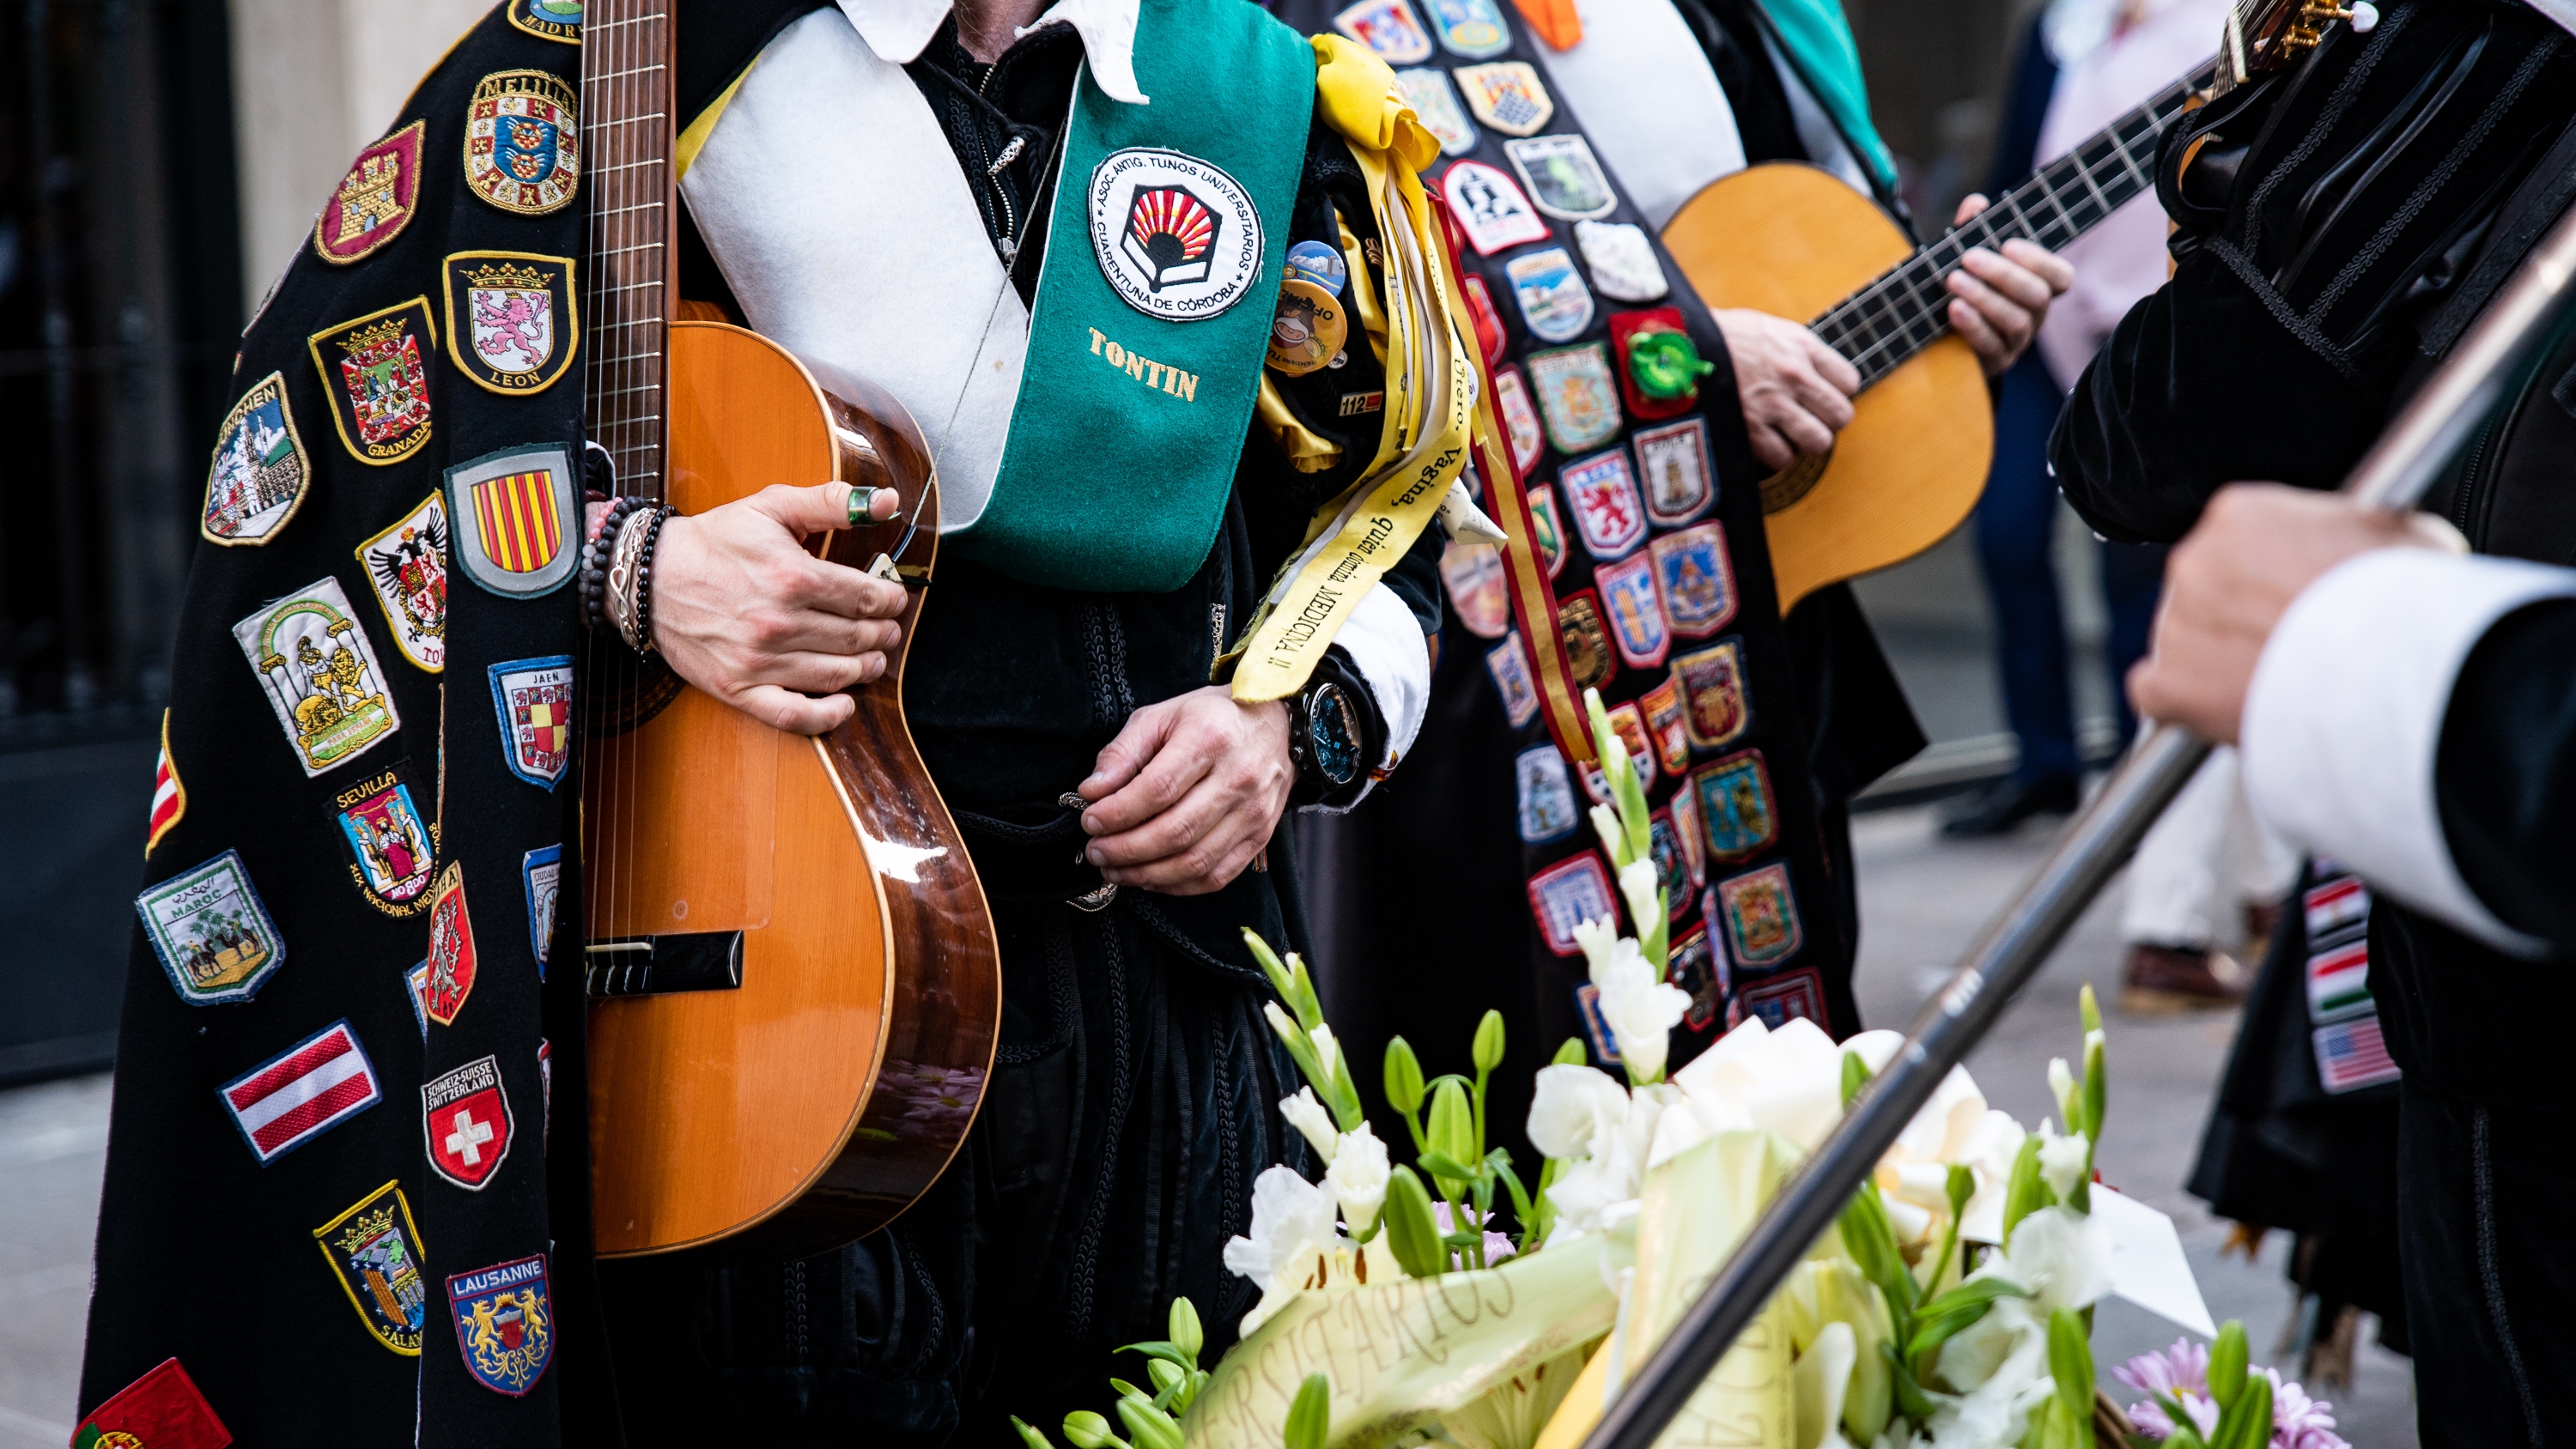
[1572, 1107]
[1998, 1366]
[1328, 1052]
[1282, 1023]
[1641, 1012]
[1787, 1081]
[1291, 1218]
[1358, 1177]
[1601, 1189]
[2061, 1086]
[1640, 883]
[2061, 1159]
[2062, 1256]
[1311, 1121]
[1600, 942]
[1818, 1381]
[1989, 1151]
[1614, 836]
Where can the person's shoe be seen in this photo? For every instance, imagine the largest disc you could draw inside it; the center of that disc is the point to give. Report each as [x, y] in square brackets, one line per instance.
[2165, 980]
[2010, 801]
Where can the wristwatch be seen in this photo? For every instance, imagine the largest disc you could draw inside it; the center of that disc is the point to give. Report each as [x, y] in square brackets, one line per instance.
[1324, 738]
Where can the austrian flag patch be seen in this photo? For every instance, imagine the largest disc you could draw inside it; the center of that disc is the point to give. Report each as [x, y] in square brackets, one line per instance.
[302, 1092]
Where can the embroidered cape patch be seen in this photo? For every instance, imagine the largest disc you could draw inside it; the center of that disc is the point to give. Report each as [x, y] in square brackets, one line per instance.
[1674, 459]
[1686, 830]
[1630, 727]
[1694, 967]
[1622, 260]
[452, 958]
[1476, 582]
[523, 141]
[321, 675]
[1509, 664]
[1491, 207]
[393, 850]
[512, 321]
[1587, 643]
[1489, 323]
[1176, 236]
[1388, 28]
[1783, 1000]
[1735, 805]
[407, 568]
[2339, 984]
[549, 19]
[466, 1117]
[1520, 420]
[375, 200]
[1672, 867]
[1547, 810]
[505, 1323]
[161, 1410]
[2353, 1055]
[302, 1092]
[514, 515]
[1663, 707]
[259, 473]
[1715, 709]
[212, 933]
[1636, 611]
[1545, 531]
[169, 797]
[374, 370]
[1507, 96]
[1577, 397]
[1555, 305]
[374, 1250]
[2334, 905]
[416, 986]
[1562, 177]
[1435, 101]
[1596, 1028]
[1698, 580]
[1572, 890]
[532, 699]
[542, 870]
[1761, 916]
[1469, 28]
[1602, 494]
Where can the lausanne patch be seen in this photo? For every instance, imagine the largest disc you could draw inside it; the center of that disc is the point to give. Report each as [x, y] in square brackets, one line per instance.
[466, 1117]
[1735, 806]
[1576, 396]
[1761, 916]
[1715, 709]
[260, 471]
[214, 937]
[1698, 580]
[532, 698]
[374, 1250]
[393, 850]
[302, 1092]
[523, 141]
[1509, 664]
[1571, 891]
[1547, 810]
[1602, 493]
[549, 19]
[514, 515]
[1637, 622]
[375, 201]
[321, 675]
[512, 322]
[452, 958]
[1387, 27]
[375, 371]
[1176, 237]
[407, 568]
[1674, 459]
[1477, 584]
[505, 1323]
[1491, 207]
[169, 797]
[542, 871]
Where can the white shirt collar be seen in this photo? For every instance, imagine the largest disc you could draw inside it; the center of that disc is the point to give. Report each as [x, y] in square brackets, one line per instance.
[899, 30]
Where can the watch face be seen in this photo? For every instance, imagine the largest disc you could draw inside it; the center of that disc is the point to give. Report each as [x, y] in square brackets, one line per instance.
[1332, 734]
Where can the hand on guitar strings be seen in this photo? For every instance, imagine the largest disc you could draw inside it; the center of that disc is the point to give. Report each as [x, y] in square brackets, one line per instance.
[1796, 391]
[1189, 792]
[1998, 301]
[743, 611]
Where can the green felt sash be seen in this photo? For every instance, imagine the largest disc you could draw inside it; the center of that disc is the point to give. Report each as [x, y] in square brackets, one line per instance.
[1129, 426]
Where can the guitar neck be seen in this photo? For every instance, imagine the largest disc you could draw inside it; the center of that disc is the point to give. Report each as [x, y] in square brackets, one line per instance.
[1907, 309]
[632, 289]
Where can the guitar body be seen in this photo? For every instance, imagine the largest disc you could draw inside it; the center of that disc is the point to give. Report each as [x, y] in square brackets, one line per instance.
[1792, 240]
[795, 987]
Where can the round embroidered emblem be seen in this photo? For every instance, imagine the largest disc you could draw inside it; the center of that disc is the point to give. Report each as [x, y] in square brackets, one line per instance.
[523, 141]
[1177, 237]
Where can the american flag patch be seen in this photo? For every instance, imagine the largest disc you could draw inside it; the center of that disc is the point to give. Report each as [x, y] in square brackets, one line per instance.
[302, 1092]
[2339, 983]
[2336, 905]
[2352, 1056]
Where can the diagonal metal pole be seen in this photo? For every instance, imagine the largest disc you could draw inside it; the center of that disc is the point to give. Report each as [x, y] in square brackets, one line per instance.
[2408, 457]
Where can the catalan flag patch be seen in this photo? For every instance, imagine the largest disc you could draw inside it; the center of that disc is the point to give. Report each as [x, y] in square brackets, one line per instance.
[513, 514]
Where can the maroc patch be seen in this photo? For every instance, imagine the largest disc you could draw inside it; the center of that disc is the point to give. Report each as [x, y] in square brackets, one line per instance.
[505, 1323]
[1469, 28]
[1562, 177]
[1573, 890]
[514, 515]
[259, 473]
[1636, 611]
[1587, 642]
[549, 19]
[161, 1410]
[1548, 811]
[1489, 204]
[1630, 726]
[1698, 580]
[394, 853]
[407, 568]
[1176, 236]
[375, 371]
[1781, 1000]
[1489, 323]
[523, 141]
[1601, 492]
[1477, 586]
[1555, 305]
[1694, 966]
[466, 1117]
[1735, 806]
[1509, 664]
[374, 1250]
[453, 961]
[1435, 101]
[1387, 27]
[1672, 867]
[212, 933]
[1674, 459]
[416, 986]
[1576, 396]
[321, 675]
[512, 321]
[375, 201]
[1520, 419]
[1596, 1028]
[169, 797]
[1622, 260]
[1686, 829]
[1547, 532]
[543, 872]
[1716, 711]
[1663, 707]
[1507, 96]
[302, 1092]
[1761, 916]
[532, 698]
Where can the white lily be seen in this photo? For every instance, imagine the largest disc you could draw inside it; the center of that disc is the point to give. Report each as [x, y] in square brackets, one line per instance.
[1600, 940]
[1571, 1108]
[2061, 1086]
[1311, 1121]
[1291, 1217]
[1640, 883]
[2061, 1256]
[1358, 1177]
[1641, 1010]
[1328, 1052]
[1998, 1367]
[2061, 1159]
[1614, 838]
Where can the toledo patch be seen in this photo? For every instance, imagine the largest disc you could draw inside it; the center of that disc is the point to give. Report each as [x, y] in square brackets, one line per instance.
[1603, 496]
[1436, 103]
[1555, 305]
[1698, 580]
[1470, 28]
[451, 949]
[321, 675]
[466, 1117]
[1715, 709]
[1507, 96]
[393, 849]
[407, 568]
[523, 141]
[375, 200]
[302, 1092]
[1509, 664]
[374, 370]
[1636, 612]
[1761, 916]
[1176, 237]
[532, 698]
[214, 937]
[1577, 397]
[1547, 810]
[1491, 207]
[1573, 890]
[543, 872]
[1735, 806]
[374, 1250]
[169, 797]
[512, 322]
[515, 514]
[257, 479]
[1674, 458]
[1562, 177]
[504, 1323]
[1477, 584]
[548, 19]
[1388, 28]
[161, 1410]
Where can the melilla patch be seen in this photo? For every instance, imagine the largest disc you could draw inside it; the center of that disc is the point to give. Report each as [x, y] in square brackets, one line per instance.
[375, 201]
[395, 853]
[407, 567]
[260, 470]
[523, 141]
[512, 322]
[374, 1250]
[504, 1323]
[375, 371]
[212, 933]
[514, 512]
[321, 675]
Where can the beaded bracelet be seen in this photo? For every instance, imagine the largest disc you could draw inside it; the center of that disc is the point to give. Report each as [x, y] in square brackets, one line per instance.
[594, 560]
[618, 591]
[643, 580]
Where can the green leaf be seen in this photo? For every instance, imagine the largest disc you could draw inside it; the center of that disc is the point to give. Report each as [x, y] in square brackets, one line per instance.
[1029, 1436]
[1911, 1401]
[2088, 1009]
[1167, 1376]
[2025, 1192]
[1125, 1389]
[1280, 980]
[1403, 1076]
[1309, 1415]
[1444, 1167]
[1158, 1349]
[1489, 1042]
[2070, 1364]
[1310, 1010]
[1573, 1054]
[1872, 1245]
[1951, 1314]
[2096, 1094]
[1150, 1427]
[2227, 1364]
[1411, 1233]
[1855, 1077]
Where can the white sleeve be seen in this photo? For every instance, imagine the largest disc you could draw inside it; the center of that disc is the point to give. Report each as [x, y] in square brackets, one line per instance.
[2344, 718]
[1387, 647]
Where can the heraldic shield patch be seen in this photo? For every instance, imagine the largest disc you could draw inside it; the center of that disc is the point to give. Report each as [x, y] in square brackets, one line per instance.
[257, 479]
[466, 1117]
[533, 699]
[512, 323]
[515, 516]
[375, 370]
[212, 934]
[374, 1249]
[505, 1323]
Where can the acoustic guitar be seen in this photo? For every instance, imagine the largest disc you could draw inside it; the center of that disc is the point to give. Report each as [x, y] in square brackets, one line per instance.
[794, 985]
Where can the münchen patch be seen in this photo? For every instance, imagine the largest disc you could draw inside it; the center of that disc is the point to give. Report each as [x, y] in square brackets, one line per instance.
[453, 961]
[512, 322]
[1573, 890]
[375, 371]
[214, 937]
[515, 515]
[375, 201]
[374, 1250]
[302, 1092]
[505, 1323]
[394, 852]
[258, 477]
[1176, 236]
[465, 1116]
[549, 19]
[523, 141]
[321, 675]
[543, 872]
[533, 700]
[407, 568]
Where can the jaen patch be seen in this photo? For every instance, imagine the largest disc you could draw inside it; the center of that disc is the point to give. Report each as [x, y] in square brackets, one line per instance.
[512, 324]
[523, 141]
[374, 1250]
[375, 371]
[1176, 236]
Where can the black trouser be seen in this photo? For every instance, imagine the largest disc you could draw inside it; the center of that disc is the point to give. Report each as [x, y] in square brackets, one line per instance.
[2482, 1202]
[1133, 1100]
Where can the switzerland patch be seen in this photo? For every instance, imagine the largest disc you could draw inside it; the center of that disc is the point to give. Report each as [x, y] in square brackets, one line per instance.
[466, 1117]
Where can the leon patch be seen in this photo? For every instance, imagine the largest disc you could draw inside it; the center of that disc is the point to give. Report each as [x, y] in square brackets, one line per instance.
[532, 698]
[210, 930]
[1547, 809]
[393, 849]
[321, 675]
[1176, 237]
[302, 1092]
[543, 872]
[452, 958]
[1761, 916]
[1735, 806]
[374, 1250]
[1509, 664]
[548, 19]
[1715, 709]
[257, 479]
[1573, 890]
[505, 1323]
[514, 514]
[407, 568]
[169, 797]
[512, 323]
[466, 1117]
[523, 141]
[375, 200]
[1698, 580]
[374, 369]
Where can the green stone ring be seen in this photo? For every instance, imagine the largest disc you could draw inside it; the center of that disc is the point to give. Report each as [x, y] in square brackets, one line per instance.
[861, 496]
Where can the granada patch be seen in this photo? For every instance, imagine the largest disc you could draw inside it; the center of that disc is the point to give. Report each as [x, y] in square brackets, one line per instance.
[1176, 236]
[1477, 583]
[374, 369]
[512, 321]
[259, 473]
[374, 1250]
[1784, 999]
[523, 141]
[321, 675]
[212, 933]
[1571, 891]
[375, 201]
[515, 514]
[169, 797]
[1435, 102]
[1587, 643]
[1507, 96]
[548, 19]
[1577, 397]
[1636, 611]
[532, 699]
[452, 958]
[1761, 916]
[1735, 806]
[1679, 482]
[407, 568]
[302, 1092]
[542, 870]
[466, 1117]
[1387, 27]
[1698, 579]
[1563, 178]
[505, 1323]
[1547, 809]
[161, 1410]
[393, 850]
[1715, 709]
[1491, 207]
[1602, 494]
[1509, 663]
[1555, 305]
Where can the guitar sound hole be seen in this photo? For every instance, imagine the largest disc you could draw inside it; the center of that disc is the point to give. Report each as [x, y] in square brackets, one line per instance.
[1794, 482]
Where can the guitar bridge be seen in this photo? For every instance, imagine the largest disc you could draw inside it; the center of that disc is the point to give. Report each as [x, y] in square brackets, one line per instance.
[657, 965]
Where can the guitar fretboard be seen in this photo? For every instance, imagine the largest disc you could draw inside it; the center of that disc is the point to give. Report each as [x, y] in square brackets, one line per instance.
[626, 144]
[1897, 316]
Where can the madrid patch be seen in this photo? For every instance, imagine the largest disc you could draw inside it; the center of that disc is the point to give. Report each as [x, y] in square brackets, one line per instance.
[407, 568]
[515, 515]
[532, 698]
[1176, 237]
[465, 1116]
[259, 473]
[214, 937]
[505, 1323]
[374, 1250]
[321, 675]
[452, 958]
[393, 849]
[302, 1092]
[548, 19]
[375, 371]
[375, 201]
[512, 321]
[523, 141]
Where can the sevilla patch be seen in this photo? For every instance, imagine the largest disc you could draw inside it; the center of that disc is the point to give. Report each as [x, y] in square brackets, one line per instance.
[1387, 27]
[375, 371]
[1735, 806]
[1587, 643]
[302, 1092]
[514, 514]
[452, 958]
[1602, 494]
[257, 479]
[407, 567]
[1636, 613]
[1715, 709]
[1547, 808]
[161, 1410]
[374, 1250]
[375, 201]
[321, 675]
[523, 141]
[532, 698]
[1477, 582]
[1674, 459]
[1577, 398]
[512, 321]
[505, 1323]
[1176, 236]
[1491, 207]
[214, 937]
[1562, 177]
[169, 797]
[1509, 664]
[1698, 580]
[392, 848]
[1572, 891]
[466, 1117]
[1761, 916]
